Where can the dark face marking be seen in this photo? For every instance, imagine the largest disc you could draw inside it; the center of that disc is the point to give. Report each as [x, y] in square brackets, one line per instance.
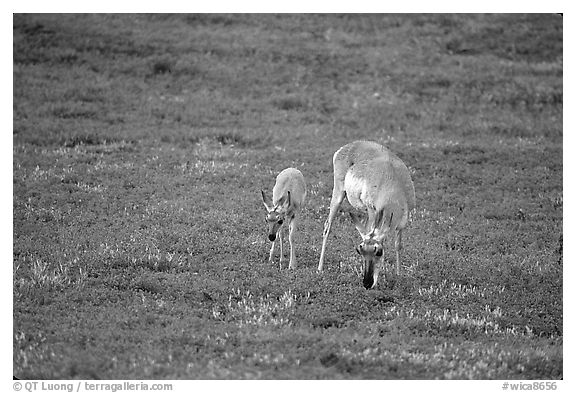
[371, 251]
[275, 221]
[368, 280]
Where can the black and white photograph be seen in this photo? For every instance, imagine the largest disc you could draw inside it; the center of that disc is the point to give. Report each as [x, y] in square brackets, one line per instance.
[286, 196]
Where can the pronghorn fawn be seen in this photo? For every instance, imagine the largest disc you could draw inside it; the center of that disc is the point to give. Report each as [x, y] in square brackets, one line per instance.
[374, 180]
[288, 196]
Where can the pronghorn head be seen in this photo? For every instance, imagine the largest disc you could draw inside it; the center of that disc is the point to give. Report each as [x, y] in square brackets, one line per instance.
[371, 247]
[276, 213]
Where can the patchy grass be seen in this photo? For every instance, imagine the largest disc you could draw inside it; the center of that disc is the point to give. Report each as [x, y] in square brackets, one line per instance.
[141, 143]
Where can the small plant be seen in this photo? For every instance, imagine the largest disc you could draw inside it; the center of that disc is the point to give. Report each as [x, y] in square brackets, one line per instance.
[244, 309]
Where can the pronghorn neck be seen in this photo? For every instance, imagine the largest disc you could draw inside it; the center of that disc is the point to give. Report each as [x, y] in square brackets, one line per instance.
[374, 235]
[285, 210]
[289, 213]
[278, 212]
[380, 226]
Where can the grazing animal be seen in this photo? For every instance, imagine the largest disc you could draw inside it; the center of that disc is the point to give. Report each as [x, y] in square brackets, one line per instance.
[377, 181]
[288, 196]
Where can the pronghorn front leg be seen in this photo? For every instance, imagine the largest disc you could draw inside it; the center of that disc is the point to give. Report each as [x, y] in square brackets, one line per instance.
[272, 251]
[398, 246]
[291, 230]
[281, 240]
[337, 198]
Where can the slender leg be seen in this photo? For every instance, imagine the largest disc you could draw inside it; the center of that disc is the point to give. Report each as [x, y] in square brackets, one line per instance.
[376, 272]
[337, 198]
[291, 230]
[272, 251]
[281, 248]
[398, 246]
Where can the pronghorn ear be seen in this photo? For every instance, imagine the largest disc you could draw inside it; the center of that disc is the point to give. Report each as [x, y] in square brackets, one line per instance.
[359, 222]
[267, 202]
[287, 201]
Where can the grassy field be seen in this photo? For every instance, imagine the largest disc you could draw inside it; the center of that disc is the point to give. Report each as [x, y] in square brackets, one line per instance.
[141, 143]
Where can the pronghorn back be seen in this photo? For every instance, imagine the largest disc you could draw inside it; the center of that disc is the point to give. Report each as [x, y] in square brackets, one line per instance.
[373, 176]
[290, 179]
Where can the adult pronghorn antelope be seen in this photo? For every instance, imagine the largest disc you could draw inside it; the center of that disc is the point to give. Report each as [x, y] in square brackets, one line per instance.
[288, 196]
[373, 179]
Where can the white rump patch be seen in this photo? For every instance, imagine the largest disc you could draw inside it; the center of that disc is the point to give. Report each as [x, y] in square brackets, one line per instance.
[356, 190]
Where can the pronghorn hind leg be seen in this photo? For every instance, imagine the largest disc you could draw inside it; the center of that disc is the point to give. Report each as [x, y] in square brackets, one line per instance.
[398, 247]
[337, 198]
[291, 230]
[281, 240]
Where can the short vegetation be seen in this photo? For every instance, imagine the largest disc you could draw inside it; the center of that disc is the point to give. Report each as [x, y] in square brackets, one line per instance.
[141, 143]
